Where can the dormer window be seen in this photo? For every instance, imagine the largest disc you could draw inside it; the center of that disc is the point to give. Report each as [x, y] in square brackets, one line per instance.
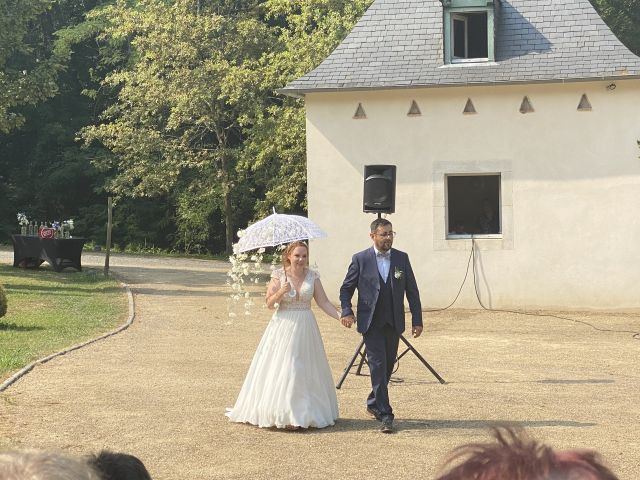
[469, 36]
[469, 31]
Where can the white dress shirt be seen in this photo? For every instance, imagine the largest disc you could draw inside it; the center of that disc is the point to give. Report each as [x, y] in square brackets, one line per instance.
[384, 263]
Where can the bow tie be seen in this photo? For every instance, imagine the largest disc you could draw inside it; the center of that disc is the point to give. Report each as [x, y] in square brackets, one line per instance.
[383, 254]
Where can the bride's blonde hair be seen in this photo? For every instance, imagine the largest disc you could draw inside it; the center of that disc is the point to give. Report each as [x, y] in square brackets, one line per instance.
[290, 248]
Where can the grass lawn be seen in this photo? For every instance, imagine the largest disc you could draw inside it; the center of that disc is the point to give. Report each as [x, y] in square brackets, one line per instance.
[48, 311]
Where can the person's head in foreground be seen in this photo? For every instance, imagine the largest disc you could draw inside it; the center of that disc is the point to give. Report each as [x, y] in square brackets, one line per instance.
[514, 456]
[118, 466]
[43, 465]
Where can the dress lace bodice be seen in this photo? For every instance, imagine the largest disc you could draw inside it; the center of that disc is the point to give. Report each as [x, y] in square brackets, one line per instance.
[302, 301]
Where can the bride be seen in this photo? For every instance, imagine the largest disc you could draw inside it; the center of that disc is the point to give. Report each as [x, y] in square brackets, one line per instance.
[289, 383]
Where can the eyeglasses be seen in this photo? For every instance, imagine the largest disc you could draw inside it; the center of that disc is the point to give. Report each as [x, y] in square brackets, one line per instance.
[387, 234]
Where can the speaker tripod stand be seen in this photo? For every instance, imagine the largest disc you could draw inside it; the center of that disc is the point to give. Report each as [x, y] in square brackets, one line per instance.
[362, 352]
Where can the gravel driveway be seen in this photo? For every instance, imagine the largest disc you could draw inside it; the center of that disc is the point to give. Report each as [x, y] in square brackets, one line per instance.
[159, 389]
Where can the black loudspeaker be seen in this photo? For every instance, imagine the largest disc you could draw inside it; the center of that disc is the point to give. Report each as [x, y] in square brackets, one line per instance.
[379, 188]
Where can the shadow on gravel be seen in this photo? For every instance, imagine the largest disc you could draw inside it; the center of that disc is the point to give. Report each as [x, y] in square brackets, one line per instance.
[195, 278]
[399, 382]
[56, 289]
[357, 424]
[342, 425]
[179, 293]
[485, 424]
[576, 382]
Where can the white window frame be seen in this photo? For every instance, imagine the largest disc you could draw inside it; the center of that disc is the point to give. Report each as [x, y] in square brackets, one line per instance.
[465, 20]
[460, 12]
[502, 241]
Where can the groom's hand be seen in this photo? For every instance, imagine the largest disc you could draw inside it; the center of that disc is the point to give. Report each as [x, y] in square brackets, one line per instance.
[416, 331]
[347, 321]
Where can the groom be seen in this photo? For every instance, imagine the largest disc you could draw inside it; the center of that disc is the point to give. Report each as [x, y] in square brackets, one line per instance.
[382, 276]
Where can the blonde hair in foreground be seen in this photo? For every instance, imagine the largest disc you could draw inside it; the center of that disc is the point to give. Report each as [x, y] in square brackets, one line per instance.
[43, 465]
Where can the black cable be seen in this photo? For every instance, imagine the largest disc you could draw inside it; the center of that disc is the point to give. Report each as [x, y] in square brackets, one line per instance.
[461, 285]
[635, 335]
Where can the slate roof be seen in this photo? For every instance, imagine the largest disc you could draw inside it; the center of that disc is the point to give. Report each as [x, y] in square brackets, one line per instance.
[399, 44]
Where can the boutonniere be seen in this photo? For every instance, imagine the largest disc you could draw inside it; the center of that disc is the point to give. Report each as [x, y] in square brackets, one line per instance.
[398, 273]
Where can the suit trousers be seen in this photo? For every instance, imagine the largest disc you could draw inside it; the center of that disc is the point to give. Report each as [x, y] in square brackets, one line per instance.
[381, 342]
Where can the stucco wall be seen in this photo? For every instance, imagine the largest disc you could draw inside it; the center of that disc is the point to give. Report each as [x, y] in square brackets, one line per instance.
[570, 189]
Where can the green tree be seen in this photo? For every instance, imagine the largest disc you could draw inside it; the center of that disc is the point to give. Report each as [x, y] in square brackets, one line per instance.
[43, 172]
[623, 17]
[275, 150]
[28, 67]
[176, 127]
[197, 117]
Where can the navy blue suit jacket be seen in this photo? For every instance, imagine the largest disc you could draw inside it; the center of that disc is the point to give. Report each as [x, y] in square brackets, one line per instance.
[363, 275]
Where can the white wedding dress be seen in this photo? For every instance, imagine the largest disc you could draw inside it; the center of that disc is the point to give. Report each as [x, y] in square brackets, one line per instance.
[289, 382]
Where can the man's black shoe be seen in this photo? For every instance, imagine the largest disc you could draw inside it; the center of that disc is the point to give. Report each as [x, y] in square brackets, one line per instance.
[375, 412]
[387, 425]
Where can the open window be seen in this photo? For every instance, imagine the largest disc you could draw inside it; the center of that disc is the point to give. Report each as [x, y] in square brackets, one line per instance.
[469, 36]
[469, 30]
[473, 206]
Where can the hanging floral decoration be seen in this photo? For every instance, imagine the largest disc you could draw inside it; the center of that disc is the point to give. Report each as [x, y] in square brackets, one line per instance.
[247, 268]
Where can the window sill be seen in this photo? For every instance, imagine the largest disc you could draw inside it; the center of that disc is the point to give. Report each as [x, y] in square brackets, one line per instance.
[467, 236]
[470, 63]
